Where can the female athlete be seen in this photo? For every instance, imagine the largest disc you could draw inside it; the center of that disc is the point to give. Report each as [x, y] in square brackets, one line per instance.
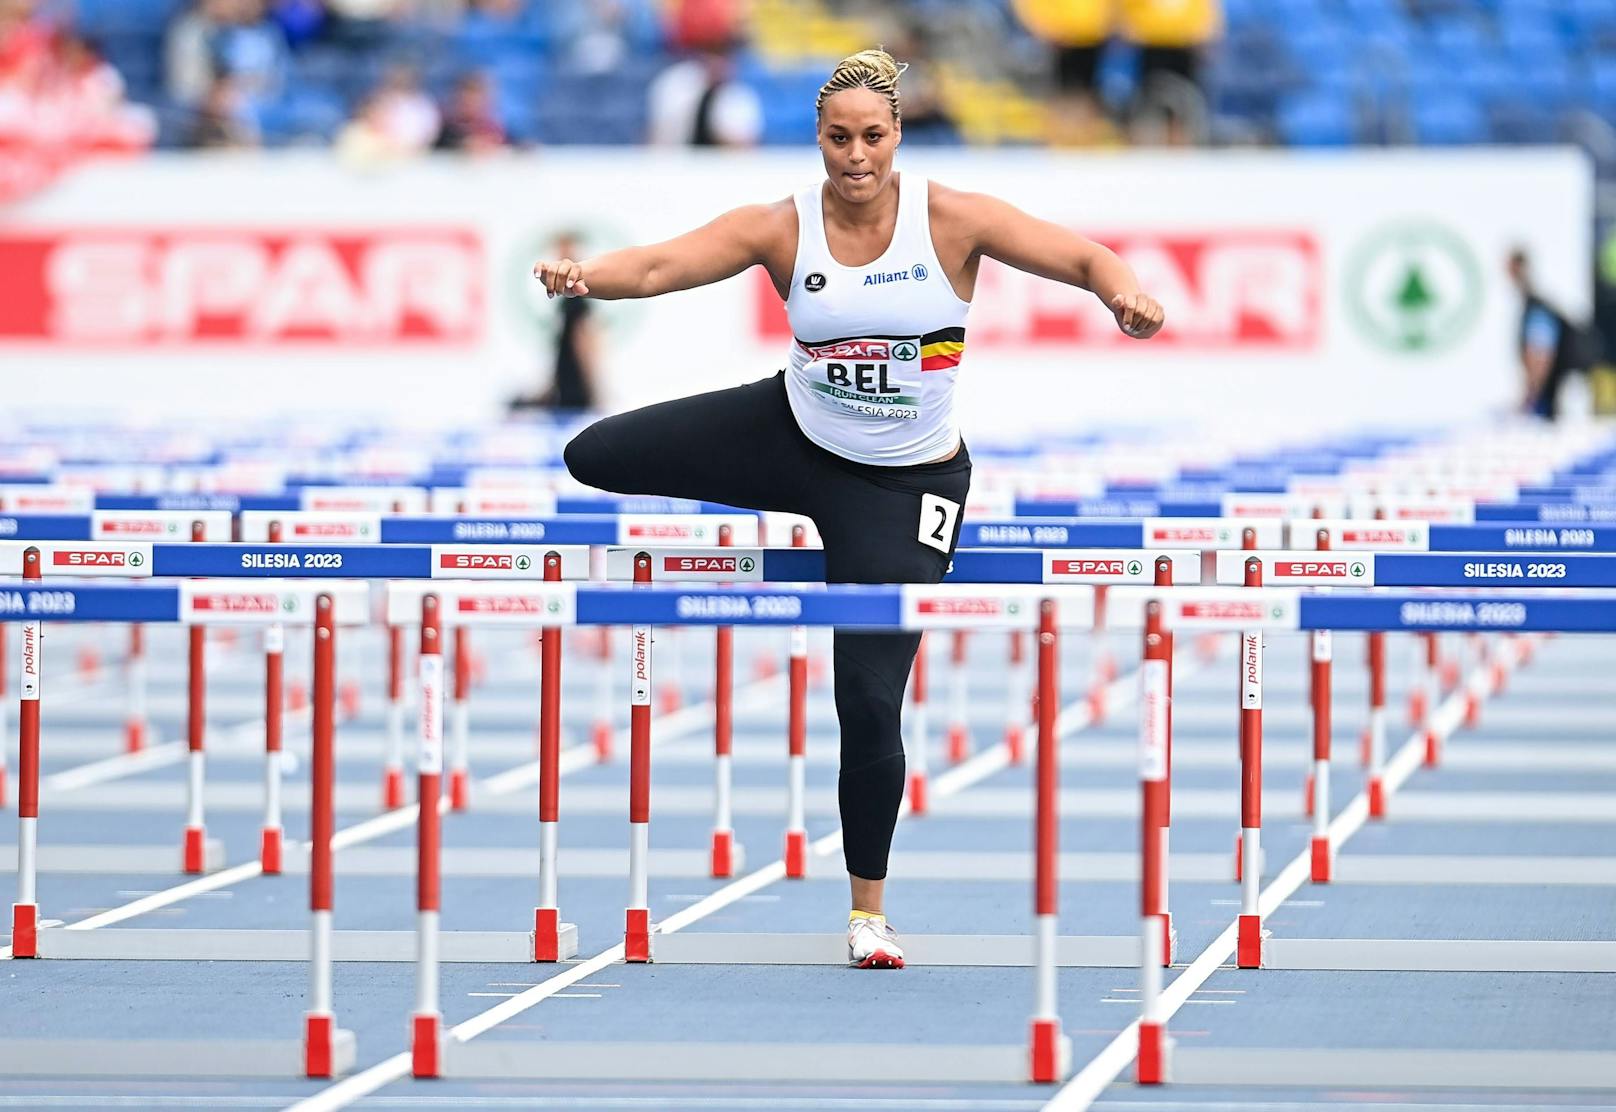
[859, 432]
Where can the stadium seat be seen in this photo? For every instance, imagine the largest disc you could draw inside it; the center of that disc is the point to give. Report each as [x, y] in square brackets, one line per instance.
[1448, 119]
[1319, 118]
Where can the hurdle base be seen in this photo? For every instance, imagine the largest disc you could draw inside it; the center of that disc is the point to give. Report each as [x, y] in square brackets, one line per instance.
[1386, 1068]
[552, 940]
[112, 860]
[1071, 951]
[728, 855]
[183, 944]
[200, 854]
[1153, 1064]
[1440, 955]
[266, 1058]
[524, 1059]
[1323, 860]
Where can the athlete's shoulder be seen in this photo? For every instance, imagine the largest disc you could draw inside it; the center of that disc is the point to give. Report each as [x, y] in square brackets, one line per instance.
[959, 214]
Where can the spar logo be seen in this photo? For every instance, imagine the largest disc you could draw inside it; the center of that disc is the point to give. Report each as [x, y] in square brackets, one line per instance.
[1375, 536]
[242, 604]
[139, 286]
[1096, 567]
[667, 532]
[968, 607]
[1168, 533]
[712, 565]
[99, 558]
[854, 349]
[507, 604]
[1228, 611]
[484, 561]
[329, 529]
[138, 528]
[1319, 569]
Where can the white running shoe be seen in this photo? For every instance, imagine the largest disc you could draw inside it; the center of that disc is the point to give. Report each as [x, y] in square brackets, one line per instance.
[873, 944]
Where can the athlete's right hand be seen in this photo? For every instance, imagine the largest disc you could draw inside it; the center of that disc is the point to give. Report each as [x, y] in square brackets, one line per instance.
[563, 278]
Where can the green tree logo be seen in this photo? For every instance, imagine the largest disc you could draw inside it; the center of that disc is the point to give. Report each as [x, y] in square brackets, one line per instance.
[1414, 287]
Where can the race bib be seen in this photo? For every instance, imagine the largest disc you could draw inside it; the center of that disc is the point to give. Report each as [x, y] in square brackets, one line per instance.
[937, 518]
[869, 378]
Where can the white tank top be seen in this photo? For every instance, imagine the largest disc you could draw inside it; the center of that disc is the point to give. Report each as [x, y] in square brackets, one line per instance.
[871, 372]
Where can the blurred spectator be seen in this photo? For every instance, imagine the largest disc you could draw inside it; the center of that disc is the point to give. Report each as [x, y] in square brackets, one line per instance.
[698, 102]
[1077, 31]
[25, 43]
[223, 120]
[396, 120]
[703, 24]
[471, 122]
[574, 383]
[1172, 36]
[58, 94]
[926, 121]
[592, 35]
[1550, 346]
[234, 37]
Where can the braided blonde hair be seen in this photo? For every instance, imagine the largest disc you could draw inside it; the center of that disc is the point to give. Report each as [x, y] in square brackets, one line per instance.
[875, 70]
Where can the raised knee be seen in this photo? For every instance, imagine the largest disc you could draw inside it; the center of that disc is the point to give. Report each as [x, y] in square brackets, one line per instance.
[590, 460]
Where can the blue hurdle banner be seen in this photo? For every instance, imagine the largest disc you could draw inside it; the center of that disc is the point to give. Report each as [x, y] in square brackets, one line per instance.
[230, 503]
[1561, 613]
[100, 602]
[806, 565]
[442, 561]
[1421, 569]
[641, 529]
[1422, 537]
[1557, 513]
[117, 525]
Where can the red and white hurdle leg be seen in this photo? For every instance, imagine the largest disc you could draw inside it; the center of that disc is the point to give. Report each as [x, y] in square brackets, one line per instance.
[194, 851]
[393, 755]
[1015, 728]
[637, 918]
[1474, 678]
[797, 757]
[1248, 941]
[723, 850]
[25, 912]
[1048, 1049]
[547, 944]
[1430, 682]
[1377, 725]
[1155, 942]
[959, 732]
[320, 1035]
[3, 733]
[601, 732]
[134, 721]
[270, 838]
[426, 1024]
[1104, 668]
[1318, 796]
[918, 740]
[460, 736]
[671, 695]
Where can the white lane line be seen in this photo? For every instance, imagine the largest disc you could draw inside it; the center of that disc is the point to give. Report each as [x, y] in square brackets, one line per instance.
[1121, 692]
[376, 827]
[1135, 1002]
[1085, 1087]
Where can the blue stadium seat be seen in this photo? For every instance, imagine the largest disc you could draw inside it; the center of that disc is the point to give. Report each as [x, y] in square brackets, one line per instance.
[1318, 118]
[1448, 119]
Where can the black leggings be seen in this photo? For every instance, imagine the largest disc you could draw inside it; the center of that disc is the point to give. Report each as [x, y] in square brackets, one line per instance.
[742, 447]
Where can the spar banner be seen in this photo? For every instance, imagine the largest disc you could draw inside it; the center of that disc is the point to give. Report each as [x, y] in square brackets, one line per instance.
[1301, 292]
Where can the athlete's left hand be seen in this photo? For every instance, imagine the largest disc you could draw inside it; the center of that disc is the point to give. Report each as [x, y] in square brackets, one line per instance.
[1138, 315]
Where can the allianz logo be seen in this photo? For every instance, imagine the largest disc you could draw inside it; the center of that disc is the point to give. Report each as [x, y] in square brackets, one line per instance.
[917, 272]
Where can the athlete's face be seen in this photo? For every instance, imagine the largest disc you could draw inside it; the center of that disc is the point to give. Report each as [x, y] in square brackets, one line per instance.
[857, 137]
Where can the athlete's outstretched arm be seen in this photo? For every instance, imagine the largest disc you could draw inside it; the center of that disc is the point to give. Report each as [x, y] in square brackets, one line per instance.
[720, 249]
[1001, 231]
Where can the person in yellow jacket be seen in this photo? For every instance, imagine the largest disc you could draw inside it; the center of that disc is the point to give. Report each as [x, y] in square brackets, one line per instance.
[1172, 36]
[1076, 30]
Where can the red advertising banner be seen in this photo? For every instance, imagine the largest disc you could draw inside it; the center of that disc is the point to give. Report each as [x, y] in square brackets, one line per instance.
[1252, 289]
[134, 287]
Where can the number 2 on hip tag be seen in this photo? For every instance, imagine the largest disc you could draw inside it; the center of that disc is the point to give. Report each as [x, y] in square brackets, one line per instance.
[937, 518]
